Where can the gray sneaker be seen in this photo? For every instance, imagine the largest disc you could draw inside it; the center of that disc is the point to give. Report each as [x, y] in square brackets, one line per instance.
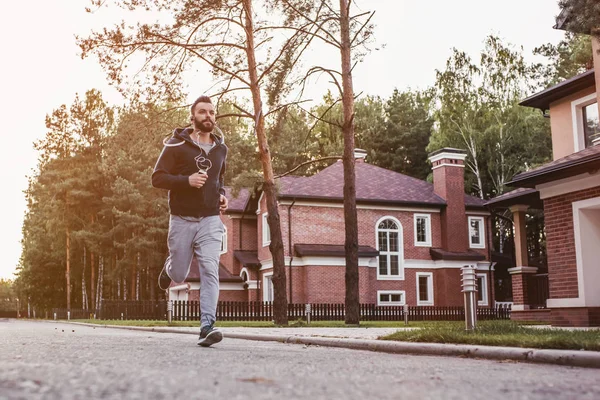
[209, 336]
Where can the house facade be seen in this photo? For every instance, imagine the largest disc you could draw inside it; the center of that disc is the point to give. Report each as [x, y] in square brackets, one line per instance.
[413, 236]
[568, 189]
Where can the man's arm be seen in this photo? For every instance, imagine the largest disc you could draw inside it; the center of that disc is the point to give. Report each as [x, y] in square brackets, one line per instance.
[163, 176]
[222, 178]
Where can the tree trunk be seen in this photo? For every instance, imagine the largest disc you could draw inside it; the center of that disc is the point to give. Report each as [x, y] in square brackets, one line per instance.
[276, 246]
[84, 298]
[92, 277]
[92, 274]
[100, 283]
[68, 271]
[138, 263]
[350, 215]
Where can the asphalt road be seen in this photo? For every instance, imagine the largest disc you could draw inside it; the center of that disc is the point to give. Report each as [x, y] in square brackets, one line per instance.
[46, 360]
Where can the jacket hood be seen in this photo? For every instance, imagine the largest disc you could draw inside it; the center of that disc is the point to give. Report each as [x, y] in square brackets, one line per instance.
[184, 134]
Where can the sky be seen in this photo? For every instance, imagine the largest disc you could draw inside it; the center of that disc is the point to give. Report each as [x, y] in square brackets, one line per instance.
[41, 68]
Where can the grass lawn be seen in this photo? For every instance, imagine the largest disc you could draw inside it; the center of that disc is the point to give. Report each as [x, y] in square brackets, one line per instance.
[502, 333]
[488, 333]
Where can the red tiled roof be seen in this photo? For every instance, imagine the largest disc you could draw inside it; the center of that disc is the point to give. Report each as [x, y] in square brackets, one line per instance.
[237, 204]
[543, 99]
[247, 258]
[528, 196]
[373, 185]
[570, 165]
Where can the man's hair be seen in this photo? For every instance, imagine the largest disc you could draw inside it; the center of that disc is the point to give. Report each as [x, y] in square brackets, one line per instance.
[201, 99]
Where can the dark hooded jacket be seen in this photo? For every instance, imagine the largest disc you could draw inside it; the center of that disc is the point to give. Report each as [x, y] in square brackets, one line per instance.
[179, 159]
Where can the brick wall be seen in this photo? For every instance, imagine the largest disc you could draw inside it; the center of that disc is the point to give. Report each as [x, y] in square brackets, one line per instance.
[575, 316]
[326, 284]
[560, 238]
[531, 315]
[325, 225]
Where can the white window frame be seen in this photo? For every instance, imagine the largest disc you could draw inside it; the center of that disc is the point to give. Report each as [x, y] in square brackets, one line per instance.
[577, 118]
[400, 251]
[402, 301]
[224, 241]
[484, 290]
[427, 242]
[429, 301]
[266, 231]
[266, 282]
[481, 232]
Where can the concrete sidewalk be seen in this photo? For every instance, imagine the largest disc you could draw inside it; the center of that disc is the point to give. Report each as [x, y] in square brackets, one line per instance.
[366, 339]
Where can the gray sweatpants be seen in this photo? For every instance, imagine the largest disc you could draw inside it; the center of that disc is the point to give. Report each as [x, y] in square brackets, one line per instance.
[202, 236]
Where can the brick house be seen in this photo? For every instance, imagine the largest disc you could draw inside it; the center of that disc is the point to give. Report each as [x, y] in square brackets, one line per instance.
[414, 237]
[568, 190]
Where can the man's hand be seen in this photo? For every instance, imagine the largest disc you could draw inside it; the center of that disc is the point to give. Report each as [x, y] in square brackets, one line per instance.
[223, 203]
[197, 180]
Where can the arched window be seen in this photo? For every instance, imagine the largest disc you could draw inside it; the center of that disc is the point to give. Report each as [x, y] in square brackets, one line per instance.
[390, 246]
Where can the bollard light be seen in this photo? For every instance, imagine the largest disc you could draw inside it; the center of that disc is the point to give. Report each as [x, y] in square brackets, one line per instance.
[307, 312]
[169, 311]
[469, 286]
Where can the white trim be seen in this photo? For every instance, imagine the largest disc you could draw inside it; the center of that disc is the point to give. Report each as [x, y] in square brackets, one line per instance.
[427, 242]
[244, 269]
[183, 286]
[591, 300]
[568, 185]
[481, 232]
[448, 155]
[522, 270]
[306, 203]
[399, 253]
[484, 290]
[479, 213]
[402, 301]
[258, 204]
[371, 262]
[519, 208]
[231, 286]
[222, 286]
[240, 216]
[445, 264]
[448, 165]
[577, 119]
[264, 286]
[252, 285]
[565, 303]
[224, 241]
[428, 302]
[320, 261]
[519, 307]
[265, 229]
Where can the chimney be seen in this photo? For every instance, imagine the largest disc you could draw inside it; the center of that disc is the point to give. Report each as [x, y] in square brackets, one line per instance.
[360, 155]
[449, 183]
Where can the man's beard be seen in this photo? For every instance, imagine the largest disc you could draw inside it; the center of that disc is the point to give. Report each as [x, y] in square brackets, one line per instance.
[203, 126]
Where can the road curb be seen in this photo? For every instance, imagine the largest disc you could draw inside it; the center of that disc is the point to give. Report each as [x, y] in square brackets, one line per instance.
[572, 358]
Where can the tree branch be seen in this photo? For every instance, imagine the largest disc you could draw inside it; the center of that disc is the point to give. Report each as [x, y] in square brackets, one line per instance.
[361, 28]
[306, 163]
[286, 105]
[319, 27]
